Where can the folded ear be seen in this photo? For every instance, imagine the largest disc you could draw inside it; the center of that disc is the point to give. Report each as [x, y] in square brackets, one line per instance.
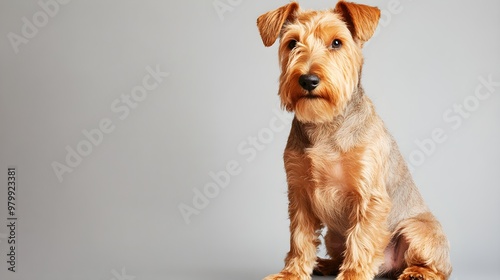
[361, 19]
[270, 23]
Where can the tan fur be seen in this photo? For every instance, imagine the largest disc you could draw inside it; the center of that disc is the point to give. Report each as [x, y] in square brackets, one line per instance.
[344, 170]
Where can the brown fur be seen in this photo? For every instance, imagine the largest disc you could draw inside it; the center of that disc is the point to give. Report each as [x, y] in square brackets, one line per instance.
[344, 170]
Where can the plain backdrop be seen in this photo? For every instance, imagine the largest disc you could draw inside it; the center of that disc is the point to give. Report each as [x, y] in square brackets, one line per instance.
[208, 134]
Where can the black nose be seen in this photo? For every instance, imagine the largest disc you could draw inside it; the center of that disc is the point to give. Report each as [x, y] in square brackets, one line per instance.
[309, 82]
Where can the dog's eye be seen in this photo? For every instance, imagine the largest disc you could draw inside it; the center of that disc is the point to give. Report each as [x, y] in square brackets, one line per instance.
[292, 44]
[336, 44]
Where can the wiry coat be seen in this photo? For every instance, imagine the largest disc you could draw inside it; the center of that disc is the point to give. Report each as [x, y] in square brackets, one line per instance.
[344, 170]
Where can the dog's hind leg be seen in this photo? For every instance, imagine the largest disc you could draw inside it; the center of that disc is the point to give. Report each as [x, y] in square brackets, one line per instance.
[427, 257]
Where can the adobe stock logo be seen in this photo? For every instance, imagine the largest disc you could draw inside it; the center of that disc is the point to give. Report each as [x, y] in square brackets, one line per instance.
[122, 107]
[248, 149]
[454, 117]
[223, 6]
[39, 19]
[122, 275]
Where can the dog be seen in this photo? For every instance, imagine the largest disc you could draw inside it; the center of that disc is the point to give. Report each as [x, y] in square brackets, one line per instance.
[344, 170]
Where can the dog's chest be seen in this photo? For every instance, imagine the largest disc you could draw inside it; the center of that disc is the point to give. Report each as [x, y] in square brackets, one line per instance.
[327, 170]
[331, 169]
[331, 182]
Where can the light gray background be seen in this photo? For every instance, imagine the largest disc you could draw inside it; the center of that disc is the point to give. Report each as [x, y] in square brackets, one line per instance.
[116, 215]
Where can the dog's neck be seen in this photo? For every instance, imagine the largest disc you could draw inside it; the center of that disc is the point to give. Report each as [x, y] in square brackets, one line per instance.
[345, 125]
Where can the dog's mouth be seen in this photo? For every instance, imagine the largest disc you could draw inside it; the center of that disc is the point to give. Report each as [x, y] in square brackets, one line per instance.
[310, 95]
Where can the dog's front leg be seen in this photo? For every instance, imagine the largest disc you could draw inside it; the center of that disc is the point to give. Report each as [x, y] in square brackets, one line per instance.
[366, 238]
[304, 231]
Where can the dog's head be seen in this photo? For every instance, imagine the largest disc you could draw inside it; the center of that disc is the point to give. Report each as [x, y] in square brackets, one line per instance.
[320, 55]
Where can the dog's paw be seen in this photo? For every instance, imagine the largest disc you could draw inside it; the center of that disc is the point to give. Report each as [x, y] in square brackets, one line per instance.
[419, 273]
[325, 267]
[354, 275]
[412, 276]
[287, 276]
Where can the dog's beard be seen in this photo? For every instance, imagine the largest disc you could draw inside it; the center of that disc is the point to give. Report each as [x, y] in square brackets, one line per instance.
[314, 109]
